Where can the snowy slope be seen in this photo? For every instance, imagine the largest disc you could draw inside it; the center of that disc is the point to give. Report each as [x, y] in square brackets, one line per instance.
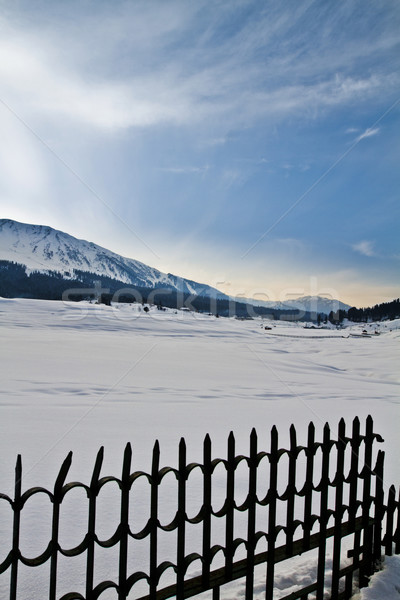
[313, 304]
[317, 304]
[42, 248]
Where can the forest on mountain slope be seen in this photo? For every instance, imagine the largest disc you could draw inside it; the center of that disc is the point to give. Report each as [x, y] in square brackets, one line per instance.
[15, 282]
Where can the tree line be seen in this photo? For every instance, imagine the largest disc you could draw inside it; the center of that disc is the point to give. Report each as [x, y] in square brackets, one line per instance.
[380, 312]
[15, 282]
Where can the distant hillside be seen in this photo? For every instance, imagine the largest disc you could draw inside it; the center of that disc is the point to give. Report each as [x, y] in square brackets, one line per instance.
[16, 282]
[311, 304]
[43, 262]
[44, 249]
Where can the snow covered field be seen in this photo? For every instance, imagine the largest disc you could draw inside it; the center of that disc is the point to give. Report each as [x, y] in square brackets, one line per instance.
[78, 376]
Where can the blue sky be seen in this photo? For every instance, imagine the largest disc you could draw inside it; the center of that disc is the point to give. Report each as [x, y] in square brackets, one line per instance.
[250, 145]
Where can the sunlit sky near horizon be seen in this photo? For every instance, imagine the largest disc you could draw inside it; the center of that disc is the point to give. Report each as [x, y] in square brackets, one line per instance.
[250, 145]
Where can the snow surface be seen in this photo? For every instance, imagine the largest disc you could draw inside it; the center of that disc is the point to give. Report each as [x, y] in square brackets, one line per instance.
[78, 376]
[384, 585]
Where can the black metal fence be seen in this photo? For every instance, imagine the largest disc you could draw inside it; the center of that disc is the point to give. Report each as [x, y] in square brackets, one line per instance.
[349, 503]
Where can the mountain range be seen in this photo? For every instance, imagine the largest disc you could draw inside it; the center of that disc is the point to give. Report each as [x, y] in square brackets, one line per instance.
[40, 248]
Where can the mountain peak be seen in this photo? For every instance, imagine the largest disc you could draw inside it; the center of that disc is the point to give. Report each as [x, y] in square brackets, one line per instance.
[42, 248]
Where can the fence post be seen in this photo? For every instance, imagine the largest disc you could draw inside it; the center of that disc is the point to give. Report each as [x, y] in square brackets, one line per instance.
[207, 472]
[181, 521]
[323, 515]
[16, 527]
[124, 523]
[93, 491]
[397, 532]
[379, 508]
[308, 486]
[367, 560]
[230, 506]
[353, 476]
[57, 499]
[272, 493]
[291, 491]
[251, 522]
[391, 506]
[154, 520]
[339, 480]
[353, 502]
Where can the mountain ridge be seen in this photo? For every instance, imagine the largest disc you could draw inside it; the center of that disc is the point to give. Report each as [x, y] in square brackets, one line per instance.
[41, 248]
[313, 304]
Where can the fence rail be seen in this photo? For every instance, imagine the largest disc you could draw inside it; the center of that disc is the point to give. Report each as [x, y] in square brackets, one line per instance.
[372, 522]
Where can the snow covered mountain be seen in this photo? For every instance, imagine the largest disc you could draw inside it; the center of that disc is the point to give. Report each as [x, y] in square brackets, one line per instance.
[310, 304]
[317, 304]
[42, 248]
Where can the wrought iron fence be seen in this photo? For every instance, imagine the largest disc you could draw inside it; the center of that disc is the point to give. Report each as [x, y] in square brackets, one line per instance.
[358, 510]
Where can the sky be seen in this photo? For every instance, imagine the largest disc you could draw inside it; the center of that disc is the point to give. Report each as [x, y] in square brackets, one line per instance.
[250, 145]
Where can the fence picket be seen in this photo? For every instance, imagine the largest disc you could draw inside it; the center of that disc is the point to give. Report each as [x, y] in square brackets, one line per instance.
[323, 518]
[181, 521]
[230, 505]
[124, 523]
[271, 535]
[291, 491]
[353, 502]
[391, 505]
[251, 515]
[396, 536]
[93, 492]
[366, 566]
[339, 481]
[16, 528]
[378, 507]
[207, 472]
[57, 499]
[308, 486]
[353, 476]
[154, 520]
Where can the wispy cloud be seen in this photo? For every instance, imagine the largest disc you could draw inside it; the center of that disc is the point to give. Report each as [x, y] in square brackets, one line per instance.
[366, 248]
[368, 133]
[185, 170]
[232, 177]
[42, 87]
[352, 130]
[217, 141]
[169, 80]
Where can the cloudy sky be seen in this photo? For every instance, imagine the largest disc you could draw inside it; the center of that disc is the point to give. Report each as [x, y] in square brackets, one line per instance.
[251, 145]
